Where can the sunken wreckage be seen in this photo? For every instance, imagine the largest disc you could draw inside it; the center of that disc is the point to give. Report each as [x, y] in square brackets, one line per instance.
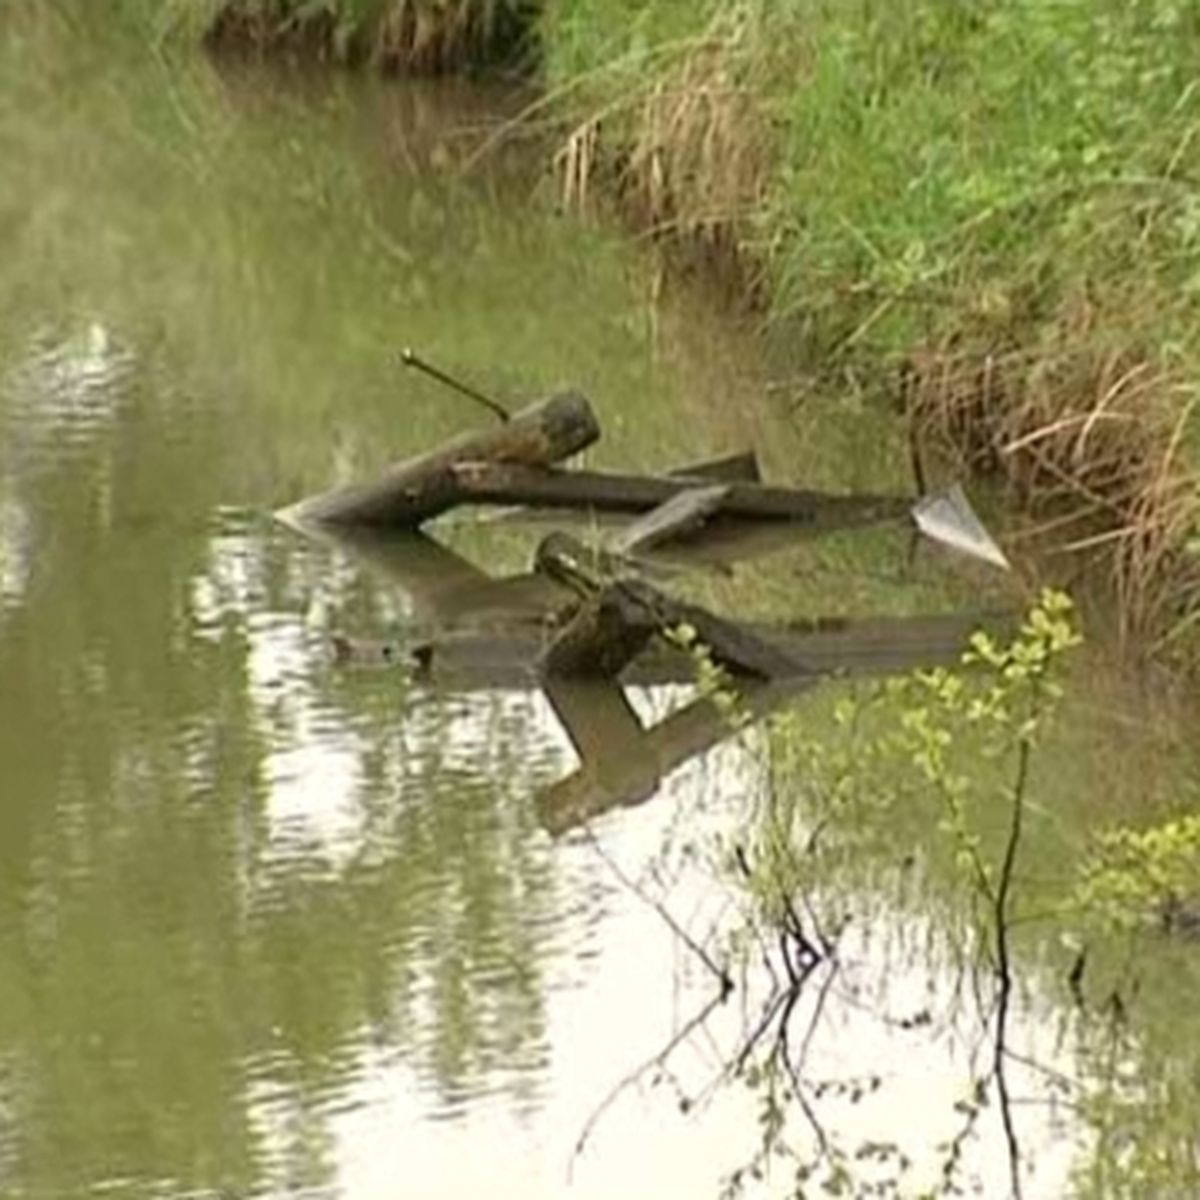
[586, 620]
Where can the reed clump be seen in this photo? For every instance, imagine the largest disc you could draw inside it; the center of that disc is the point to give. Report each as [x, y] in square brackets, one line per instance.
[680, 141]
[1087, 438]
[408, 36]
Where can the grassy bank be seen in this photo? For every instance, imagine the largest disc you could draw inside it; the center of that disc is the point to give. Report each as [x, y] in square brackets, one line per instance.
[985, 212]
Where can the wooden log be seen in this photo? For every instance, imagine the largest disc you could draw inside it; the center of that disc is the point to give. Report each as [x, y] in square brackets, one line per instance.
[507, 483]
[505, 657]
[858, 646]
[620, 610]
[444, 588]
[412, 491]
[682, 514]
[596, 716]
[630, 772]
[599, 640]
[729, 468]
[583, 569]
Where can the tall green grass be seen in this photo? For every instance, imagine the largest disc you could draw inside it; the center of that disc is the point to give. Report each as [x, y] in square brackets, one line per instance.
[986, 210]
[926, 145]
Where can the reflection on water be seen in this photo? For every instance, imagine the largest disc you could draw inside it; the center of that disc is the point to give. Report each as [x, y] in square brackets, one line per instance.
[271, 927]
[59, 397]
[16, 551]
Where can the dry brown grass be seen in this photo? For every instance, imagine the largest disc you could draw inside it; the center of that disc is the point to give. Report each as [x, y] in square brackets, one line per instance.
[1087, 438]
[687, 151]
[418, 36]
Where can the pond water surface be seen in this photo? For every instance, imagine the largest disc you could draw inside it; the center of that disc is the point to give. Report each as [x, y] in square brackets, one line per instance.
[270, 927]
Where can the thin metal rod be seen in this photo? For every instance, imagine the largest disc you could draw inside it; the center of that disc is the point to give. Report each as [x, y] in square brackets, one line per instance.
[410, 359]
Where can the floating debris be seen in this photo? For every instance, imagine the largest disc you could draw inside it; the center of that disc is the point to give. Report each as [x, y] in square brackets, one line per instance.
[584, 620]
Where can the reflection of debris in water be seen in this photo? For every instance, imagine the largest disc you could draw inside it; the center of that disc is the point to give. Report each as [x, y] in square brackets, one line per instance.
[67, 387]
[62, 394]
[466, 638]
[467, 645]
[16, 551]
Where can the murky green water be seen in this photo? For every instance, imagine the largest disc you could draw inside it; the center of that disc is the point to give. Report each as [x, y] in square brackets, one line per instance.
[269, 927]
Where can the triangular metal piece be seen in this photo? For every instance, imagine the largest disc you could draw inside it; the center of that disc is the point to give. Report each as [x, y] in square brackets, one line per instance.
[947, 517]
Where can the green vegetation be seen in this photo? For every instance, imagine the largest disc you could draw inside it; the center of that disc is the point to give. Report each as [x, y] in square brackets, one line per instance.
[913, 743]
[941, 789]
[983, 211]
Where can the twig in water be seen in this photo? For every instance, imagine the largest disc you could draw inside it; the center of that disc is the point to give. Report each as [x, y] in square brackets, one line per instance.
[722, 976]
[783, 1050]
[1004, 980]
[818, 1011]
[655, 1060]
[724, 980]
[410, 359]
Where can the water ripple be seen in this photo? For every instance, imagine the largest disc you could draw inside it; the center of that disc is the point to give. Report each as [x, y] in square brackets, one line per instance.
[63, 393]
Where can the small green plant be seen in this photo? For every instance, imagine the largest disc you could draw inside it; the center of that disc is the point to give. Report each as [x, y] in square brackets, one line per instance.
[1135, 875]
[963, 741]
[715, 683]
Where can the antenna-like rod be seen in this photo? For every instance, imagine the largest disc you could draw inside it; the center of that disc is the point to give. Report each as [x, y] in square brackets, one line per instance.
[410, 359]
